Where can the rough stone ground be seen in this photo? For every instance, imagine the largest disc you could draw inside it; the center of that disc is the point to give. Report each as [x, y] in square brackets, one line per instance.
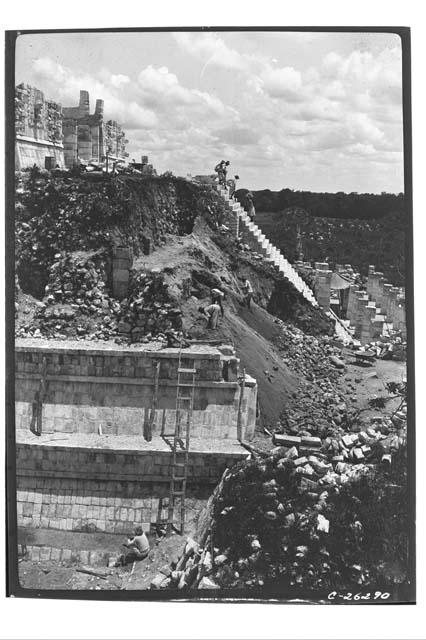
[53, 575]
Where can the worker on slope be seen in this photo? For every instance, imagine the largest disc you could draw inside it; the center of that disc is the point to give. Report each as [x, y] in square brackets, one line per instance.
[248, 292]
[212, 314]
[137, 547]
[217, 298]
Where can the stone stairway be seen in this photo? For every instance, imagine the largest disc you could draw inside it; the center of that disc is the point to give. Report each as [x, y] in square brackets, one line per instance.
[266, 248]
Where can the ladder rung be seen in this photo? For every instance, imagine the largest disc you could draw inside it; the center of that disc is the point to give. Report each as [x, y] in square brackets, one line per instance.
[181, 370]
[179, 478]
[185, 384]
[179, 464]
[184, 397]
[178, 493]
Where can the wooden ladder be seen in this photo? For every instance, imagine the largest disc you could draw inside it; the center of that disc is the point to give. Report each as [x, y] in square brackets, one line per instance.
[36, 425]
[185, 390]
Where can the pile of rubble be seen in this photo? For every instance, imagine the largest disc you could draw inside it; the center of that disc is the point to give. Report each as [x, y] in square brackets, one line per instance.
[390, 347]
[149, 311]
[317, 358]
[76, 301]
[318, 408]
[302, 517]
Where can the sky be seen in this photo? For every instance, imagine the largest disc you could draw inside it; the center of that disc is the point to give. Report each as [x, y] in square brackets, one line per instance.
[303, 110]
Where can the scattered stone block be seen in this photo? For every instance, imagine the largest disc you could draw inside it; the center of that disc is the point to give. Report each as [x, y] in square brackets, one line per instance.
[338, 363]
[292, 453]
[308, 470]
[323, 524]
[299, 462]
[311, 441]
[358, 454]
[341, 467]
[284, 440]
[157, 581]
[166, 570]
[289, 520]
[347, 441]
[207, 583]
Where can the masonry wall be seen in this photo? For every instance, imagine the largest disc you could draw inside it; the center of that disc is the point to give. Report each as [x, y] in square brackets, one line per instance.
[29, 152]
[112, 389]
[84, 489]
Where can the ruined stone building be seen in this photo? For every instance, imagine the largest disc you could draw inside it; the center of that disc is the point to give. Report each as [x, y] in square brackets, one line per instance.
[38, 128]
[49, 135]
[88, 138]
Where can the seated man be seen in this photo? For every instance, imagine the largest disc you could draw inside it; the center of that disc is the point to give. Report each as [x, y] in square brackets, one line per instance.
[137, 547]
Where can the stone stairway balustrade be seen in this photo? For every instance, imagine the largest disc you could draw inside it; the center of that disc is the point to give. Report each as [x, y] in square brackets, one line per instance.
[262, 245]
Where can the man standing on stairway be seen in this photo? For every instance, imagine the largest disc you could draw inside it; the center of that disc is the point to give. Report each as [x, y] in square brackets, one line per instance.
[221, 170]
[232, 185]
[251, 211]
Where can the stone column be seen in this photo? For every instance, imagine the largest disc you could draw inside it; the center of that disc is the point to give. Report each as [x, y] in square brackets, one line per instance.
[362, 302]
[84, 143]
[323, 284]
[121, 265]
[84, 105]
[352, 308]
[369, 313]
[70, 142]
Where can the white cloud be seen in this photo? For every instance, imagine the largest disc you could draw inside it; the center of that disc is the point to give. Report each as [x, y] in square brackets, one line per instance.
[211, 48]
[113, 89]
[119, 80]
[284, 82]
[333, 112]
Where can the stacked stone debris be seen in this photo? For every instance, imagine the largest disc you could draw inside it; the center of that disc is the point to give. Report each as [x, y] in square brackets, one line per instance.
[309, 355]
[306, 516]
[76, 301]
[149, 311]
[390, 347]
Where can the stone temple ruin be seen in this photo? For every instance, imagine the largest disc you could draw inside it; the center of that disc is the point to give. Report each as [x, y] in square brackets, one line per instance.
[50, 135]
[88, 137]
[38, 129]
[99, 427]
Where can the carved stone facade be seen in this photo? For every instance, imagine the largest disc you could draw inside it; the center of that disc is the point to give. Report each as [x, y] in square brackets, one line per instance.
[38, 128]
[88, 138]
